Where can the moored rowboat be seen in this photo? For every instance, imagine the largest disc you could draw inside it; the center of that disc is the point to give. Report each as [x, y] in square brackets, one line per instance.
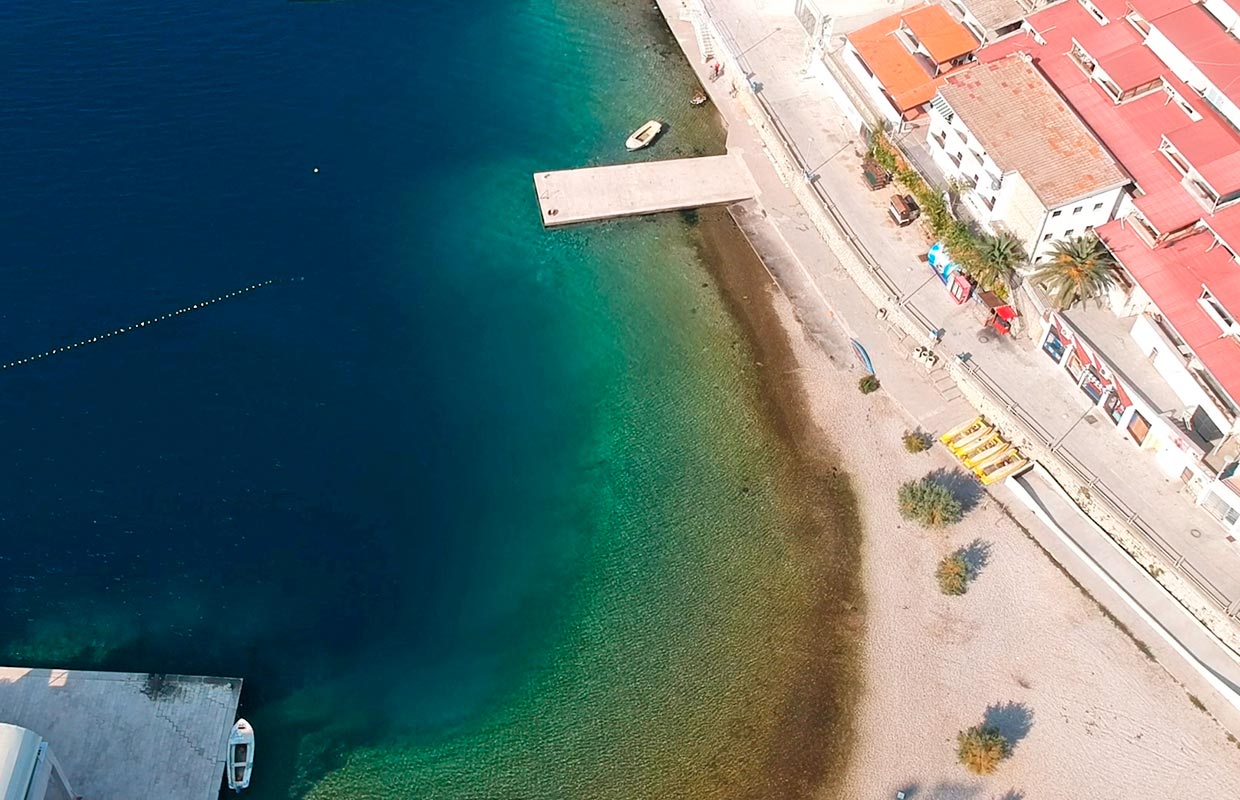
[643, 136]
[240, 755]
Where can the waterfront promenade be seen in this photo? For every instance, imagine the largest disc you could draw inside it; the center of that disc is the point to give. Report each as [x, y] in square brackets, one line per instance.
[818, 273]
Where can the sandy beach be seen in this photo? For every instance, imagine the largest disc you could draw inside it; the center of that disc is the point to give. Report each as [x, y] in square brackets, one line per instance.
[1025, 649]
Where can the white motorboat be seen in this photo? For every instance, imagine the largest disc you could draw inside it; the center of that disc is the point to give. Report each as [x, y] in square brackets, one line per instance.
[240, 755]
[643, 136]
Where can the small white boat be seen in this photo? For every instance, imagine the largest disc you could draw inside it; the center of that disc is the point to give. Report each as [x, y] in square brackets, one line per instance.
[644, 135]
[240, 755]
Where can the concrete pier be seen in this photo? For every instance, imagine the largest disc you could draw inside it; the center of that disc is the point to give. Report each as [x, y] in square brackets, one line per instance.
[128, 736]
[597, 193]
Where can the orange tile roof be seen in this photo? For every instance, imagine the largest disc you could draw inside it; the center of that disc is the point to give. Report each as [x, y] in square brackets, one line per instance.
[943, 37]
[907, 82]
[1027, 127]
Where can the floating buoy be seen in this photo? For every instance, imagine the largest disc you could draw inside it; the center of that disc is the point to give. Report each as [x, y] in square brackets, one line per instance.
[143, 324]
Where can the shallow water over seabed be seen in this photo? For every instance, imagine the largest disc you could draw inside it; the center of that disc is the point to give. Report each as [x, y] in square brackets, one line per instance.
[475, 509]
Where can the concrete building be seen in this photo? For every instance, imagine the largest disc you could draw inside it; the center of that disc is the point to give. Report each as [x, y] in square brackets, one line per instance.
[134, 736]
[1175, 442]
[1158, 82]
[901, 60]
[993, 19]
[28, 769]
[1028, 164]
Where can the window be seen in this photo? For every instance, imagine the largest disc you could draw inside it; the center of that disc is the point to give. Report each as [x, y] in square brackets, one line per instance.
[1215, 310]
[1082, 59]
[1173, 155]
[1089, 228]
[1004, 30]
[1097, 206]
[1111, 88]
[1056, 212]
[1137, 21]
[1068, 232]
[1205, 190]
[1094, 12]
[1046, 238]
[1219, 509]
[1077, 210]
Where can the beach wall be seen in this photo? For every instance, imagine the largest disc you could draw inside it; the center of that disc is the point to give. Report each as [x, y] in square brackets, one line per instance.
[1026, 490]
[1153, 555]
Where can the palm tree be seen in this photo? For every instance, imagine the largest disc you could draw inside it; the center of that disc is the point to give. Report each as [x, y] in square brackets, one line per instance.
[1080, 268]
[999, 255]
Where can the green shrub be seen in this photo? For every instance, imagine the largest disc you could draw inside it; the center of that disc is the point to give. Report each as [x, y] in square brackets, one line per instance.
[981, 749]
[867, 384]
[930, 503]
[953, 574]
[916, 441]
[964, 246]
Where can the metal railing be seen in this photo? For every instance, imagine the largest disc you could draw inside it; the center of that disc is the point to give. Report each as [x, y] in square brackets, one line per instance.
[728, 43]
[1099, 490]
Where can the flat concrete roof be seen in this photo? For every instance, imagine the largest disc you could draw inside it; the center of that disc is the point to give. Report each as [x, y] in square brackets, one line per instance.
[595, 193]
[994, 14]
[127, 736]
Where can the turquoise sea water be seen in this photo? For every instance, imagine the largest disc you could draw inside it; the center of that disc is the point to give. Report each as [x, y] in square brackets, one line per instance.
[476, 510]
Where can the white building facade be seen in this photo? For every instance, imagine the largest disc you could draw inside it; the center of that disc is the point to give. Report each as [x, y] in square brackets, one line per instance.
[1007, 182]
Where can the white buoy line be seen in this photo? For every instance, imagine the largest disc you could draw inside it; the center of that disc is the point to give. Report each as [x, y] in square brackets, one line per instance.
[101, 337]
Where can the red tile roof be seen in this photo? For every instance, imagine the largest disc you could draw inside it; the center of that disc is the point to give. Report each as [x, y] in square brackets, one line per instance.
[1130, 67]
[1175, 275]
[907, 81]
[1200, 37]
[1152, 9]
[1213, 148]
[1026, 126]
[1171, 274]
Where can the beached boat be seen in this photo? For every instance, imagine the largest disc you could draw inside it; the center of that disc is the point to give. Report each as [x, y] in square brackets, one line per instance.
[240, 755]
[644, 135]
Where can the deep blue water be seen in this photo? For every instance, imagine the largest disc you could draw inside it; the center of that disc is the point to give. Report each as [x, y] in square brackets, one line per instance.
[371, 469]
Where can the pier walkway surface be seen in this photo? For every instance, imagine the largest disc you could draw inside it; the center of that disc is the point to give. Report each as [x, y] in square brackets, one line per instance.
[597, 193]
[766, 98]
[127, 736]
